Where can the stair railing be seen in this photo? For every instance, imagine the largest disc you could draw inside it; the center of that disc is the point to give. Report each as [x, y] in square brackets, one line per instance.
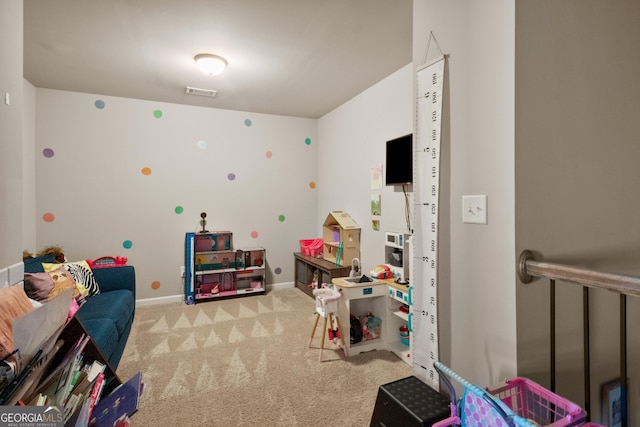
[529, 269]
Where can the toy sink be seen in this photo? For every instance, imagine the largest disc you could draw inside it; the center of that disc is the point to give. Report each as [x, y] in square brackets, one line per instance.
[361, 279]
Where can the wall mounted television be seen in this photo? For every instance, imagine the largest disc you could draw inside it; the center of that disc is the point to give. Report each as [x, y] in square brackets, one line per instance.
[399, 166]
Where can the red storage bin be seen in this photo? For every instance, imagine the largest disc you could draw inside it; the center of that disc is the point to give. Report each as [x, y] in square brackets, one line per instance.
[311, 247]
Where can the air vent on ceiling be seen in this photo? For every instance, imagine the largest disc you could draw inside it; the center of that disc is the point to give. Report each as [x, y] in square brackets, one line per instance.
[202, 92]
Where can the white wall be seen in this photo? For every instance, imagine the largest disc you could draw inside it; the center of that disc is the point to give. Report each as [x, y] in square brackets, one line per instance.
[352, 141]
[11, 174]
[94, 200]
[29, 167]
[477, 274]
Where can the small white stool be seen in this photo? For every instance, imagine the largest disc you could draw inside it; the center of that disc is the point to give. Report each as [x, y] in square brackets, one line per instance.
[327, 307]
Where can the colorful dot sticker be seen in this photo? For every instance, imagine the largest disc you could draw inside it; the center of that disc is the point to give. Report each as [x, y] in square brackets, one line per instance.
[312, 184]
[254, 234]
[157, 114]
[201, 144]
[127, 244]
[99, 104]
[155, 285]
[231, 176]
[269, 154]
[48, 217]
[247, 122]
[278, 270]
[307, 141]
[48, 153]
[179, 209]
[146, 171]
[281, 218]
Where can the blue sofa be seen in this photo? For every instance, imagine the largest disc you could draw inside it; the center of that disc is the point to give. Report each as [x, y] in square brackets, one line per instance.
[108, 316]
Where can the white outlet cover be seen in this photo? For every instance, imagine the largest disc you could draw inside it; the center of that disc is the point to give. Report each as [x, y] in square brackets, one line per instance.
[474, 209]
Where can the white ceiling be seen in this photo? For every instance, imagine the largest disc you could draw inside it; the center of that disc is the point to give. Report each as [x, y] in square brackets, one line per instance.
[291, 57]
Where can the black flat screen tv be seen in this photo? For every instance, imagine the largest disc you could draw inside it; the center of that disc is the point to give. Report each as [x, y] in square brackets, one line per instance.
[399, 166]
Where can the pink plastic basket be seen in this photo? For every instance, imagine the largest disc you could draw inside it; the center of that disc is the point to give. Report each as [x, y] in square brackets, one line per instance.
[311, 247]
[534, 402]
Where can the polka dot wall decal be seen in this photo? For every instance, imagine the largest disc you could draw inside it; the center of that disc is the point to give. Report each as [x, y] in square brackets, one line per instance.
[127, 244]
[307, 141]
[281, 218]
[146, 171]
[179, 209]
[247, 122]
[202, 144]
[157, 114]
[48, 217]
[155, 285]
[231, 176]
[269, 154]
[278, 270]
[99, 104]
[312, 184]
[254, 234]
[48, 153]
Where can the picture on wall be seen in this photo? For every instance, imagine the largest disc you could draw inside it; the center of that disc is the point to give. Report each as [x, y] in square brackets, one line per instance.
[375, 224]
[613, 405]
[376, 208]
[376, 177]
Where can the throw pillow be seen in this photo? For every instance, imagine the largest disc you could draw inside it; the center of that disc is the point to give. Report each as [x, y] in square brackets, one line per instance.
[82, 275]
[34, 265]
[63, 280]
[38, 286]
[13, 304]
[44, 287]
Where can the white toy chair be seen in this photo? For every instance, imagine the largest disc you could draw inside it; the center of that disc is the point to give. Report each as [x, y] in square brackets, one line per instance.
[327, 307]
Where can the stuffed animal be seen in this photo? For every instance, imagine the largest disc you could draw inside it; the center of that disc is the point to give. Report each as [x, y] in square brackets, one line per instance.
[53, 249]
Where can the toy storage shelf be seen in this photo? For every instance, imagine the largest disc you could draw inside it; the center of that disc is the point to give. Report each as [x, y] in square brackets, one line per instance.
[306, 266]
[214, 270]
[398, 297]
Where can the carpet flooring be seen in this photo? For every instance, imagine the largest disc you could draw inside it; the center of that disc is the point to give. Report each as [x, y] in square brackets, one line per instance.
[245, 362]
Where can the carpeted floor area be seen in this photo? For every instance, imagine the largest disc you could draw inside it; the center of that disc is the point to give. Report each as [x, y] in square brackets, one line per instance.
[245, 362]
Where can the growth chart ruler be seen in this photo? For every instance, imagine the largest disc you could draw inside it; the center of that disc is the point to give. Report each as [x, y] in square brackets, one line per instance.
[426, 187]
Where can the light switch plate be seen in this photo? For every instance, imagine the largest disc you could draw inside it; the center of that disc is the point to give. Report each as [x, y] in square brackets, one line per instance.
[474, 209]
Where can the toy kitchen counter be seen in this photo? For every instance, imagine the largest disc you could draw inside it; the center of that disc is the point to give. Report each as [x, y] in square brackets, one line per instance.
[381, 305]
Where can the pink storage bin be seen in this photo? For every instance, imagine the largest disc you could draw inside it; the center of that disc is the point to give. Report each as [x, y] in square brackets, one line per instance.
[311, 247]
[534, 402]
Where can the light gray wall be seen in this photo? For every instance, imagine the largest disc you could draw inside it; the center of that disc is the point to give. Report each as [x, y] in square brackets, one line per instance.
[353, 140]
[95, 199]
[577, 151]
[477, 294]
[29, 167]
[11, 175]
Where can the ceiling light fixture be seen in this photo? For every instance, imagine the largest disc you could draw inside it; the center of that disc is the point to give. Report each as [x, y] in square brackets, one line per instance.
[209, 64]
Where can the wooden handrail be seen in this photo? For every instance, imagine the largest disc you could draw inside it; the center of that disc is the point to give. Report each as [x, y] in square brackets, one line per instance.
[529, 268]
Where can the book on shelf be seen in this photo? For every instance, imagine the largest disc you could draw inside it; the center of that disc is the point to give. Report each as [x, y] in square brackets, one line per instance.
[122, 402]
[88, 399]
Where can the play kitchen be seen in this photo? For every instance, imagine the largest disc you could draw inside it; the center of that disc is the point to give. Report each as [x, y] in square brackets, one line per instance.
[380, 308]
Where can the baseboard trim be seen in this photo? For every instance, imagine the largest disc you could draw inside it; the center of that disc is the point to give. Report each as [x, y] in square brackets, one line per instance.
[180, 298]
